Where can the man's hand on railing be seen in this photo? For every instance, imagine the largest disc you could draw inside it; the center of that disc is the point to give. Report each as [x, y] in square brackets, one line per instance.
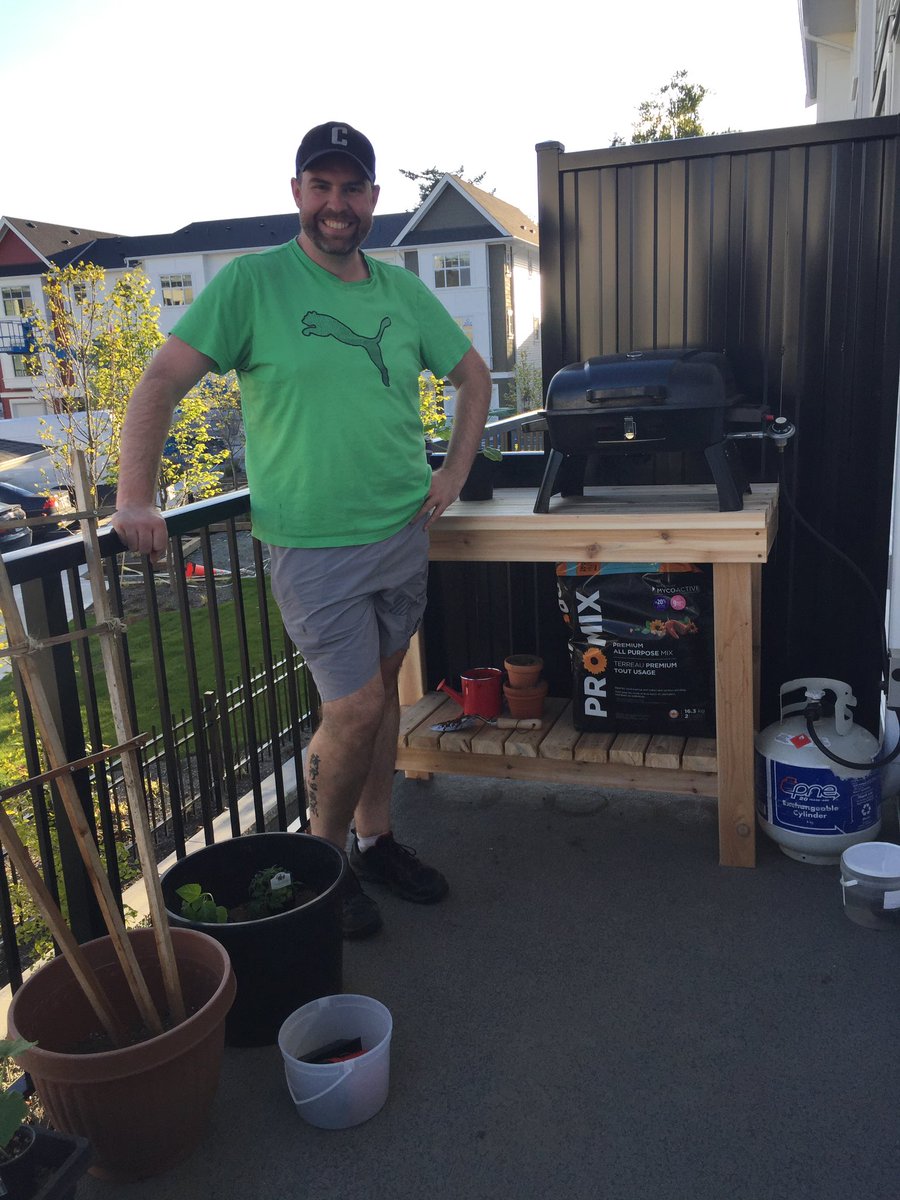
[142, 528]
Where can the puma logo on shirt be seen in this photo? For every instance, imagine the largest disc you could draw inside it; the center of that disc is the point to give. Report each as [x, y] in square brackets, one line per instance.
[322, 325]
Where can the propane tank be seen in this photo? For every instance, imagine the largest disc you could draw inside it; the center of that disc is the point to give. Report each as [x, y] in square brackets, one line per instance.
[812, 807]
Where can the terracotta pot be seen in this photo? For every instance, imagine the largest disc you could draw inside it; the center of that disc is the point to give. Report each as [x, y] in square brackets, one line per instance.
[526, 702]
[144, 1107]
[523, 670]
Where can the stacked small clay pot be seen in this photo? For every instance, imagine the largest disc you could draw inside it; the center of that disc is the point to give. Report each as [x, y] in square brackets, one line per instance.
[525, 690]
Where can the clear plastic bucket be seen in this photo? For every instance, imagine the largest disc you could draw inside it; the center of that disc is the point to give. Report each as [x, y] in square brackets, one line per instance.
[870, 883]
[338, 1095]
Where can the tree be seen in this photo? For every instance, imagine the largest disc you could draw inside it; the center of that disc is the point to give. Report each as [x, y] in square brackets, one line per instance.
[223, 396]
[670, 113]
[431, 407]
[85, 360]
[431, 177]
[529, 383]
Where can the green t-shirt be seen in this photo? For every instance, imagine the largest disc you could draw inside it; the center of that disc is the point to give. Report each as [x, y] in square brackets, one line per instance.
[329, 390]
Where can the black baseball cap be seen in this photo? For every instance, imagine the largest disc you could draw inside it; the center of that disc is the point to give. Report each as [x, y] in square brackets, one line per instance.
[335, 138]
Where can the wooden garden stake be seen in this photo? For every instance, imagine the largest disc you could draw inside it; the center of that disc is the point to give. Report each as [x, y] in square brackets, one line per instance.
[114, 666]
[53, 748]
[49, 910]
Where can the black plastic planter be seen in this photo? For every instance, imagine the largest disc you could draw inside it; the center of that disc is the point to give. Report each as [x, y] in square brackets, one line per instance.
[282, 961]
[49, 1169]
[480, 482]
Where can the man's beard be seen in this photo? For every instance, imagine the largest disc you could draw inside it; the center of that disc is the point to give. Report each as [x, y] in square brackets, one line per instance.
[331, 244]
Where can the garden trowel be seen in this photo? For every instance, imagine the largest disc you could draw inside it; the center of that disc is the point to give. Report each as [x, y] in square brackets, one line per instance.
[467, 721]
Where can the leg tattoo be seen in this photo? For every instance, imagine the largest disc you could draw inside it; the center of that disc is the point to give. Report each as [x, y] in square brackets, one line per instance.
[312, 784]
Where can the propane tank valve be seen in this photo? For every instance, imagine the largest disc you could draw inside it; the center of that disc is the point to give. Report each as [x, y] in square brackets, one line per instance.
[780, 430]
[776, 429]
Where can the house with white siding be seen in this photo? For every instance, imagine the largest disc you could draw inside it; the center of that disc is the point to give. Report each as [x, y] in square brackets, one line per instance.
[478, 254]
[850, 50]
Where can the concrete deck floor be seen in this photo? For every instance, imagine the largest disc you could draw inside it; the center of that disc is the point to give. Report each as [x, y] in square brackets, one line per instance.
[598, 1010]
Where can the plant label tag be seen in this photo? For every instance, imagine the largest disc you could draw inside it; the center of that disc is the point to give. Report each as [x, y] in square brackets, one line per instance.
[279, 881]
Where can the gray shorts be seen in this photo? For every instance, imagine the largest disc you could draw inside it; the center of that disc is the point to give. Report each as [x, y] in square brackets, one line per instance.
[348, 607]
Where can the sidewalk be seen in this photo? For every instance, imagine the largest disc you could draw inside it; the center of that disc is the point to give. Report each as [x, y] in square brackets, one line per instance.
[598, 1010]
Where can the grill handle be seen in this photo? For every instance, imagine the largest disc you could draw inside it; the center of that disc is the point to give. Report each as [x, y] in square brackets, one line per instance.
[642, 395]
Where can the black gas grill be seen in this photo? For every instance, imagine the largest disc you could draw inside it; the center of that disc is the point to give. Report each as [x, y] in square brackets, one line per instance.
[651, 401]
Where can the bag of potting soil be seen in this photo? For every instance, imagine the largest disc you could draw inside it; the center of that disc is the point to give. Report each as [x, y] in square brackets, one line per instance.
[641, 646]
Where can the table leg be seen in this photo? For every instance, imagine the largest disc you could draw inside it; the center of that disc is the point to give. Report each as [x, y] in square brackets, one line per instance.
[411, 684]
[735, 703]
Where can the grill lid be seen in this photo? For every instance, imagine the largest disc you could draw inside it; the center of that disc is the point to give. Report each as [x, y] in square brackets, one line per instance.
[667, 379]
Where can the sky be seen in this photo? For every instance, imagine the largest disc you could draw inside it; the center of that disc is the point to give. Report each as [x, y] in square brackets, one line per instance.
[142, 119]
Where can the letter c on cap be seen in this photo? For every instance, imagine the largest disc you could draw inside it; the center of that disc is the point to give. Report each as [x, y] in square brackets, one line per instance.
[338, 135]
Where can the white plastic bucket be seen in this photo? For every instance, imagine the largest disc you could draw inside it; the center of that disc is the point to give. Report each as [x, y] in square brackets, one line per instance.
[338, 1095]
[870, 883]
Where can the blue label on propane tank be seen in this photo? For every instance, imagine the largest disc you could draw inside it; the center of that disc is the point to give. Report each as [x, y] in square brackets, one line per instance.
[816, 801]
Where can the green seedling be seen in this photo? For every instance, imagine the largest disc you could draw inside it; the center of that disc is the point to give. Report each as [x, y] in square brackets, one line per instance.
[12, 1102]
[198, 905]
[266, 898]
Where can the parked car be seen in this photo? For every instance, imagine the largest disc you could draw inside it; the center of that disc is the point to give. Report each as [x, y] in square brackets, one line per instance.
[13, 536]
[35, 504]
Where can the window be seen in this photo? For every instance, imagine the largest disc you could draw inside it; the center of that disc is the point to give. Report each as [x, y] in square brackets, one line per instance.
[19, 368]
[177, 290]
[452, 270]
[16, 301]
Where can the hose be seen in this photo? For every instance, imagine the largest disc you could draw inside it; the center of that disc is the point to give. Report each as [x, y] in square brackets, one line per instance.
[813, 709]
[813, 712]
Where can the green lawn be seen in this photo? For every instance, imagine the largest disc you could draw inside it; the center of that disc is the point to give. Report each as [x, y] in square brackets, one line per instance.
[140, 651]
[141, 658]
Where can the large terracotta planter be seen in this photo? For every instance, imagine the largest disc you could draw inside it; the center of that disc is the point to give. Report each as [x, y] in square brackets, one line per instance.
[281, 961]
[144, 1107]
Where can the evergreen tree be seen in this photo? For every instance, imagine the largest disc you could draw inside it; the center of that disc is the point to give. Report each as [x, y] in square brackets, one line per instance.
[429, 179]
[670, 113]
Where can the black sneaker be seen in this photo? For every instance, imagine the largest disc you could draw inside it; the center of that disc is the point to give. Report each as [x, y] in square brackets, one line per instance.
[361, 917]
[398, 868]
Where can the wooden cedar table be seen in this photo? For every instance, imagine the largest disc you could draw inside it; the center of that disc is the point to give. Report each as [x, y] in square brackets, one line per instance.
[617, 524]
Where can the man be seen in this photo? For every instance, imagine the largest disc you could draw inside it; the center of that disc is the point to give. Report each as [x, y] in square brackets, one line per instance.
[328, 346]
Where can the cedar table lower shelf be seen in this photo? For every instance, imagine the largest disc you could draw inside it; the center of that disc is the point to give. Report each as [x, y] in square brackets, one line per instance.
[557, 752]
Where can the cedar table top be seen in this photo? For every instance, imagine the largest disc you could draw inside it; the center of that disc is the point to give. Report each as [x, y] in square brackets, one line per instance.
[613, 524]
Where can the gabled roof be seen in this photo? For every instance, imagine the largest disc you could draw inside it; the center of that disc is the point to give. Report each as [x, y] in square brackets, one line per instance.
[456, 210]
[517, 223]
[58, 243]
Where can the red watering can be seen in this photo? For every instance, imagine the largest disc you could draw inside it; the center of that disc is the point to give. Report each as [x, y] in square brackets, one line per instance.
[480, 696]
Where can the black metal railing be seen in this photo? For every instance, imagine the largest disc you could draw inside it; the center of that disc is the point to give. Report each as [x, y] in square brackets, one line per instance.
[512, 433]
[210, 674]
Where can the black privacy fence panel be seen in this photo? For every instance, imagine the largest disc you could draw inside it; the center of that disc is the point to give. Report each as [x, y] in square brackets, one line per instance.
[781, 249]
